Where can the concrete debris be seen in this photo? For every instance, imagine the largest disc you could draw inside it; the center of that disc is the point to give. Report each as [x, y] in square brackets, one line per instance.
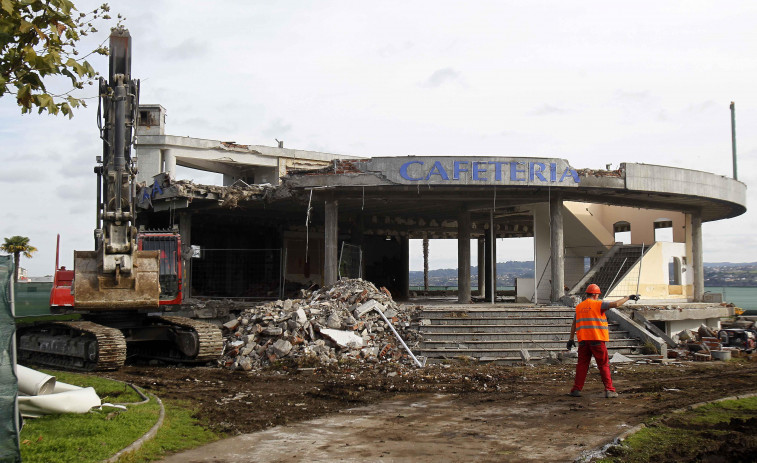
[343, 338]
[281, 348]
[620, 358]
[737, 338]
[325, 326]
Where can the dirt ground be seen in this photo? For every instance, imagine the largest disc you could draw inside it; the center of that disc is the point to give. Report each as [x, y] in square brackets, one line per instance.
[441, 412]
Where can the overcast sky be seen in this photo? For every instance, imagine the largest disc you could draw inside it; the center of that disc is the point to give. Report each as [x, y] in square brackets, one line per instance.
[595, 83]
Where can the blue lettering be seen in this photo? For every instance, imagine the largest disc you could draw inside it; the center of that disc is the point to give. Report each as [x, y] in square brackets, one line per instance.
[438, 169]
[477, 169]
[498, 169]
[533, 172]
[514, 171]
[552, 172]
[457, 169]
[572, 173]
[404, 174]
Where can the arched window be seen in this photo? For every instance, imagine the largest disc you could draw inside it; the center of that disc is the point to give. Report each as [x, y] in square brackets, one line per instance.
[663, 230]
[622, 232]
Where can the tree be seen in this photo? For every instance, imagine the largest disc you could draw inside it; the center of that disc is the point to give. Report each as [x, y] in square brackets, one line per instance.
[17, 245]
[38, 44]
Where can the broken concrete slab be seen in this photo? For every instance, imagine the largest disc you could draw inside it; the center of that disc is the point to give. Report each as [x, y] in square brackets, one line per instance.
[620, 358]
[343, 338]
[367, 307]
[334, 321]
[280, 348]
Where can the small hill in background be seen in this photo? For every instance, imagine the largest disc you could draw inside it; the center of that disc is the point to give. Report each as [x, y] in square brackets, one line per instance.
[715, 274]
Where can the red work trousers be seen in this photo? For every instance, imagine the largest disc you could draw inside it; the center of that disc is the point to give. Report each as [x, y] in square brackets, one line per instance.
[585, 350]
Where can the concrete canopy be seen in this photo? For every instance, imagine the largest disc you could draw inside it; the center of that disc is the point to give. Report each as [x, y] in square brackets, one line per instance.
[377, 185]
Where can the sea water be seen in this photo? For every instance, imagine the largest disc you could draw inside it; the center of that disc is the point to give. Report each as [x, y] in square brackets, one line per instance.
[745, 298]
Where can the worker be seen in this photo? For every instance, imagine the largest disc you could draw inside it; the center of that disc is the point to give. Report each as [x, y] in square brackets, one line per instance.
[590, 324]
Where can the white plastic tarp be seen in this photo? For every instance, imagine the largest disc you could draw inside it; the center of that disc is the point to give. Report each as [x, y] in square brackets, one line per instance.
[52, 397]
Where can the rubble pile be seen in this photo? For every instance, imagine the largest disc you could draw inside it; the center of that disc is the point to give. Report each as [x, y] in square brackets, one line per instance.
[326, 326]
[706, 344]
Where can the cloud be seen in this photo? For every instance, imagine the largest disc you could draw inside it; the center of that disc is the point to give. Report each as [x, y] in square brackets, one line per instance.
[188, 49]
[277, 129]
[393, 49]
[705, 106]
[548, 110]
[21, 175]
[76, 192]
[633, 96]
[441, 77]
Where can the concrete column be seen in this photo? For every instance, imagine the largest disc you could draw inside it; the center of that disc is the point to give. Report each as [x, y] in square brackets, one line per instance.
[331, 240]
[425, 264]
[405, 268]
[169, 161]
[481, 267]
[557, 247]
[185, 230]
[490, 264]
[696, 254]
[463, 257]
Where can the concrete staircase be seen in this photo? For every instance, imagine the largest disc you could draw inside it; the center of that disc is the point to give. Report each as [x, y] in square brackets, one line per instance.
[609, 271]
[499, 334]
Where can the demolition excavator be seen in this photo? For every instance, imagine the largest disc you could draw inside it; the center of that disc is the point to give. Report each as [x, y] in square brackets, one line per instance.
[117, 287]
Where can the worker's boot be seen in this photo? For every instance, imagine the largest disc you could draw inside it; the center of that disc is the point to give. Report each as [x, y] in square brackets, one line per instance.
[611, 394]
[575, 393]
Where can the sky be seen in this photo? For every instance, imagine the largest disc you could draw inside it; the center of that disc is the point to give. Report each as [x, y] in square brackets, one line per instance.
[595, 83]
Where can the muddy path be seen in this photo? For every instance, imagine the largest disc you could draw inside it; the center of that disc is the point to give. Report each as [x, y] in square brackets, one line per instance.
[439, 413]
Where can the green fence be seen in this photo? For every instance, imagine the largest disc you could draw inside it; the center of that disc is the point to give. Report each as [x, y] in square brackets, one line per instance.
[8, 382]
[33, 298]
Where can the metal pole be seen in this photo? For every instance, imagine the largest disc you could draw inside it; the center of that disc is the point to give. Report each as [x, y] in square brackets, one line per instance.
[641, 260]
[14, 359]
[492, 258]
[733, 139]
[616, 276]
[391, 327]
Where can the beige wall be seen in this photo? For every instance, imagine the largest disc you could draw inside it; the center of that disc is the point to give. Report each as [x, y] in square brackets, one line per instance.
[653, 283]
[600, 218]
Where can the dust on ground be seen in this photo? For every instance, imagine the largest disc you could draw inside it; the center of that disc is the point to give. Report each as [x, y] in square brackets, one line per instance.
[550, 426]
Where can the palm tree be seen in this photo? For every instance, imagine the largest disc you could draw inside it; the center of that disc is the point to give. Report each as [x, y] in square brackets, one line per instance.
[17, 245]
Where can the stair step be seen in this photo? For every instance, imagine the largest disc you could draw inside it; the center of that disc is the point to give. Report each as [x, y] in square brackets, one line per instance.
[495, 328]
[514, 344]
[516, 336]
[499, 320]
[515, 353]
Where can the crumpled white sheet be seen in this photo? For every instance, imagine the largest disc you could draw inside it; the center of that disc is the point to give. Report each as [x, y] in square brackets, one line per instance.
[64, 398]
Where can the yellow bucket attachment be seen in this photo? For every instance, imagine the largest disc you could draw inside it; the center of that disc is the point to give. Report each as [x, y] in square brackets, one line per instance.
[98, 292]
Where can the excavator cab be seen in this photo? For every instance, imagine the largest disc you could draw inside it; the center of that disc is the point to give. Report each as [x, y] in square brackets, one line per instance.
[168, 245]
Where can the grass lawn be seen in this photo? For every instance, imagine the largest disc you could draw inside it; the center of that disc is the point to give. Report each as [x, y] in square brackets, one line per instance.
[720, 429]
[99, 434]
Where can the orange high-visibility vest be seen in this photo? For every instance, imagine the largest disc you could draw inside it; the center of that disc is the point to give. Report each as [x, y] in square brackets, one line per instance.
[591, 323]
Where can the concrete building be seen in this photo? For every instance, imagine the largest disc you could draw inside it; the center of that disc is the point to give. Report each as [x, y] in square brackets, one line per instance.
[287, 217]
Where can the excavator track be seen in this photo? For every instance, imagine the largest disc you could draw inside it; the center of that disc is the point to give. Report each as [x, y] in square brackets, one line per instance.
[209, 337]
[75, 345]
[183, 341]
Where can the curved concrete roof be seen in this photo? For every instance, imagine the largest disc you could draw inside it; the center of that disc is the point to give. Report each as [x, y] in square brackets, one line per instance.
[522, 180]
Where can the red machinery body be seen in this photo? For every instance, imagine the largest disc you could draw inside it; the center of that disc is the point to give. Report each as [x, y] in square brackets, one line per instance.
[61, 296]
[168, 244]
